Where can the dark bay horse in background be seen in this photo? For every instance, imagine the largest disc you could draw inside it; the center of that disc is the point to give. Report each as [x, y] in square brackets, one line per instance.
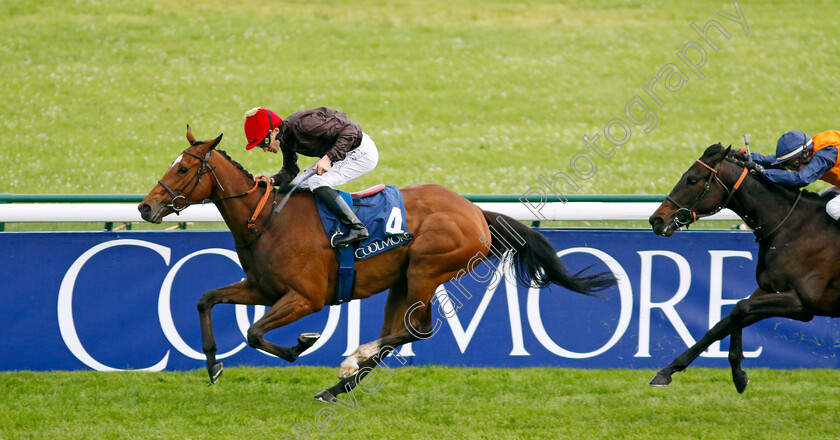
[290, 266]
[797, 268]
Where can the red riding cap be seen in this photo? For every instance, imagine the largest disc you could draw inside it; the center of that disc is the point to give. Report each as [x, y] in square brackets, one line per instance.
[258, 123]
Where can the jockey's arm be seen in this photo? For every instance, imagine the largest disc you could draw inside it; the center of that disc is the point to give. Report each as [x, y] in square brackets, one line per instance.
[290, 168]
[763, 159]
[347, 137]
[821, 162]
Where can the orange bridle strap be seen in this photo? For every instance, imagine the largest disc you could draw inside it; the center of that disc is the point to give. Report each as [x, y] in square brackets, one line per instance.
[740, 179]
[707, 167]
[252, 221]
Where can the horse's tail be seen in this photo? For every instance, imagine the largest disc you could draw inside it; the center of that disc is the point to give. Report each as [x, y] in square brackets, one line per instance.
[535, 259]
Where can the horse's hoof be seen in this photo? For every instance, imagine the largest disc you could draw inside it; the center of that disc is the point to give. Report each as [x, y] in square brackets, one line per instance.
[308, 339]
[661, 380]
[326, 396]
[215, 371]
[741, 381]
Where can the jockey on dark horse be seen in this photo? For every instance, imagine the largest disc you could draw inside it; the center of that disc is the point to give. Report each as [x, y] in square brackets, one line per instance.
[800, 161]
[344, 151]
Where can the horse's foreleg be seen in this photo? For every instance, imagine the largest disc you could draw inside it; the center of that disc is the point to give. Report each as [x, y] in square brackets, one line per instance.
[236, 293]
[723, 328]
[746, 312]
[736, 356]
[681, 362]
[751, 310]
[291, 307]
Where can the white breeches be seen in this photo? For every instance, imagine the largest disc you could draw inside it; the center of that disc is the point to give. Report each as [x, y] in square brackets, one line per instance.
[357, 163]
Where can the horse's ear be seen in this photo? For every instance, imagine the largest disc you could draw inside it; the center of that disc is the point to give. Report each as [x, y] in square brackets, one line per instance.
[216, 141]
[190, 136]
[727, 151]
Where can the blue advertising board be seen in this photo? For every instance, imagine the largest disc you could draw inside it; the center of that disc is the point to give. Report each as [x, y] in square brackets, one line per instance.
[127, 300]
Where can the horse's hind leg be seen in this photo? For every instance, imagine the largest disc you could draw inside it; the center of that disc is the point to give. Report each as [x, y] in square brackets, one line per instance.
[394, 307]
[236, 293]
[401, 327]
[445, 244]
[347, 384]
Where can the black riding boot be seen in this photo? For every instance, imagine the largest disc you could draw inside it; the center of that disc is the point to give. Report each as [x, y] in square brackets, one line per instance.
[339, 207]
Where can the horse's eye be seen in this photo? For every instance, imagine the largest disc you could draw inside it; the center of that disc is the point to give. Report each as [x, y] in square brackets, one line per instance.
[691, 181]
[183, 170]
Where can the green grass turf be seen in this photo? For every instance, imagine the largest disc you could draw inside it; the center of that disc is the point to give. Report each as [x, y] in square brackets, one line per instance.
[482, 97]
[421, 403]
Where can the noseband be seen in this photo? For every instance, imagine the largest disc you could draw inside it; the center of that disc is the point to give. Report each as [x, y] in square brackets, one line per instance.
[179, 200]
[687, 215]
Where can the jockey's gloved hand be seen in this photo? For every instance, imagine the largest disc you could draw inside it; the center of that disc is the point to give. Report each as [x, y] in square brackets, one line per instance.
[743, 157]
[754, 167]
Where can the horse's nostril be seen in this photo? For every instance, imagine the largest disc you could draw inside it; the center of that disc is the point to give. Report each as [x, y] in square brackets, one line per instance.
[144, 208]
[655, 220]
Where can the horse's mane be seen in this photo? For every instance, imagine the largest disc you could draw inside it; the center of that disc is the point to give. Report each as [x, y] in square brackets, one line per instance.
[235, 163]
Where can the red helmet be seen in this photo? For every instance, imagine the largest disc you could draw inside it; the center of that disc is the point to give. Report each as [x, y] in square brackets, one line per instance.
[258, 123]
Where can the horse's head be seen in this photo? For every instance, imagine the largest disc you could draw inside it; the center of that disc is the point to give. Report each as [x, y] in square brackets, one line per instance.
[700, 192]
[184, 183]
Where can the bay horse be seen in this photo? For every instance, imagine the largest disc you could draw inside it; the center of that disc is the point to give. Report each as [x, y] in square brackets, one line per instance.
[797, 272]
[290, 266]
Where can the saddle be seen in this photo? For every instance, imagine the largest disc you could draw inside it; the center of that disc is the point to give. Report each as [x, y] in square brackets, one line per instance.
[382, 209]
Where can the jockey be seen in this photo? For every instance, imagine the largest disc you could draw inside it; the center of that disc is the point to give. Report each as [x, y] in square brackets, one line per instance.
[344, 151]
[800, 161]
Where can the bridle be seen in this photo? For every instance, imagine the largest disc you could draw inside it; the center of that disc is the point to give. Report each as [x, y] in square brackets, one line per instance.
[687, 215]
[179, 200]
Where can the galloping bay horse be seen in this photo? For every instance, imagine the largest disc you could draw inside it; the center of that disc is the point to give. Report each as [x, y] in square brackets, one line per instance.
[290, 266]
[796, 270]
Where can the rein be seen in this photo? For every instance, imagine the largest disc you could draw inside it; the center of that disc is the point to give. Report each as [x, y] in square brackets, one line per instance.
[787, 216]
[252, 222]
[276, 209]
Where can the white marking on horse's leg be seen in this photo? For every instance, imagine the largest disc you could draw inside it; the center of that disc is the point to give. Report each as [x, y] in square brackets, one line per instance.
[351, 364]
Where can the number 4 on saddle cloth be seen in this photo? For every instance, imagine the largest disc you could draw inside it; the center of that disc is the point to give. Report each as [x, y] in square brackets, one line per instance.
[382, 210]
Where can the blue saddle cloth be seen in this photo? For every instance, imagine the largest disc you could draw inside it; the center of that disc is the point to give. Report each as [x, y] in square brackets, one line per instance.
[383, 213]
